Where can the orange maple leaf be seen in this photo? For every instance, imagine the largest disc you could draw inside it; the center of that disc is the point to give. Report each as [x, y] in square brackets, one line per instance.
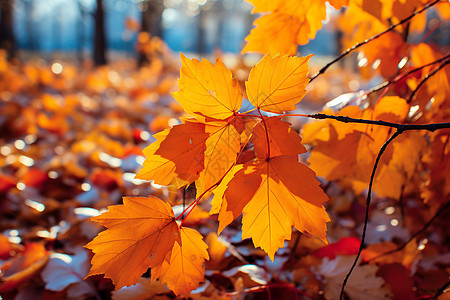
[275, 194]
[206, 150]
[184, 271]
[289, 23]
[276, 84]
[140, 235]
[333, 159]
[282, 139]
[221, 151]
[177, 156]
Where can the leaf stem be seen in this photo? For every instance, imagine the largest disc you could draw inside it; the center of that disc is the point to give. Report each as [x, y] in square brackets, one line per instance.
[248, 111]
[366, 219]
[267, 133]
[356, 46]
[193, 204]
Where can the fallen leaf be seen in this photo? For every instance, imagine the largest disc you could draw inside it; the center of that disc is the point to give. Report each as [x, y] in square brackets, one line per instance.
[22, 267]
[63, 270]
[362, 284]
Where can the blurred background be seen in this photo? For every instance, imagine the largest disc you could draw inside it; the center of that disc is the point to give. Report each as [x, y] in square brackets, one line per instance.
[79, 28]
[84, 87]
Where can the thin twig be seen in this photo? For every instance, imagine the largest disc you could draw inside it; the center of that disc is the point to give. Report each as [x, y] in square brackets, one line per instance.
[400, 127]
[403, 75]
[267, 133]
[428, 76]
[184, 202]
[442, 289]
[436, 215]
[369, 197]
[392, 27]
[264, 287]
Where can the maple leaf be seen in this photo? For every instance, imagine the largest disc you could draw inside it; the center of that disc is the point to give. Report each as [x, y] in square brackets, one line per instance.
[364, 283]
[184, 271]
[437, 87]
[287, 24]
[282, 139]
[208, 90]
[334, 160]
[222, 147]
[393, 178]
[140, 235]
[364, 19]
[276, 84]
[275, 194]
[280, 29]
[177, 156]
[218, 205]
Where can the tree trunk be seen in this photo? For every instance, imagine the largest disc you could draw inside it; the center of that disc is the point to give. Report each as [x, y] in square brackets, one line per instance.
[32, 35]
[80, 31]
[151, 22]
[6, 27]
[201, 42]
[99, 36]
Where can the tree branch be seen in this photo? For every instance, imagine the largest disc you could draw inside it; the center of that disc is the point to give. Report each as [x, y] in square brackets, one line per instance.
[392, 27]
[442, 289]
[403, 75]
[436, 215]
[428, 76]
[400, 127]
[366, 219]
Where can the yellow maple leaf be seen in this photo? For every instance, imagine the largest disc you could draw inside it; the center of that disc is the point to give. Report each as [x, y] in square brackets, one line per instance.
[287, 24]
[277, 83]
[274, 195]
[208, 90]
[222, 147]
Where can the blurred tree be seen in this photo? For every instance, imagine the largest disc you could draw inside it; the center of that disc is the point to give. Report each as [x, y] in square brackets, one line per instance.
[31, 30]
[99, 35]
[201, 29]
[151, 21]
[81, 36]
[6, 27]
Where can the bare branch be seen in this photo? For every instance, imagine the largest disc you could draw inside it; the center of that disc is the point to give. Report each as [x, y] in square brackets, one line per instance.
[400, 127]
[428, 76]
[366, 219]
[403, 75]
[442, 289]
[392, 27]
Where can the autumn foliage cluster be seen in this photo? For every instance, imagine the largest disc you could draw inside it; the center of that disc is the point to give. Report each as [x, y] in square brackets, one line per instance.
[240, 168]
